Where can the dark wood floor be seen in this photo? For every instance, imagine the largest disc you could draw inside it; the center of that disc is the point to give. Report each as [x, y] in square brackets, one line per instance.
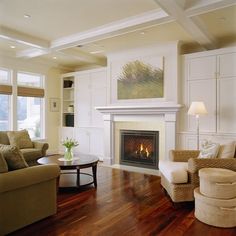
[124, 203]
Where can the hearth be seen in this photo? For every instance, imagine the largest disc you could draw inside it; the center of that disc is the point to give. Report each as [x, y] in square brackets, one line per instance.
[139, 148]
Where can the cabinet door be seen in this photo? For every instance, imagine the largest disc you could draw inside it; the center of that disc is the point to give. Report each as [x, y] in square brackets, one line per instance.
[202, 68]
[83, 100]
[227, 105]
[203, 90]
[226, 95]
[98, 97]
[97, 142]
[83, 137]
[227, 65]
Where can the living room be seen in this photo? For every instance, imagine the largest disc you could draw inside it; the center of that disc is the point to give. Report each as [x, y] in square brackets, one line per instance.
[76, 71]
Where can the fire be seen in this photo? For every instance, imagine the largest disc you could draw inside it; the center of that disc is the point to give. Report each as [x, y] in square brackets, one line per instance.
[143, 151]
[141, 147]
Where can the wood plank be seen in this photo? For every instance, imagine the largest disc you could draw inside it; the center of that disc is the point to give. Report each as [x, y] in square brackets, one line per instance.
[124, 203]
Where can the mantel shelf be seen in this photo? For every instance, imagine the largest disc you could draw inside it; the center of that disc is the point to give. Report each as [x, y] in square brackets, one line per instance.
[150, 109]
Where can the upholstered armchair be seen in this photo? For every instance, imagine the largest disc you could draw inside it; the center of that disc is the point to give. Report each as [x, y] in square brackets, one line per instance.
[179, 175]
[31, 150]
[27, 195]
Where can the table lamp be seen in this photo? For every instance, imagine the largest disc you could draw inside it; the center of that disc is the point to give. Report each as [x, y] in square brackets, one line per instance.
[197, 109]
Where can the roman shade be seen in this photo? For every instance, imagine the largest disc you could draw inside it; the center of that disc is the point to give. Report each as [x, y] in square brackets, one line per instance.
[5, 89]
[30, 92]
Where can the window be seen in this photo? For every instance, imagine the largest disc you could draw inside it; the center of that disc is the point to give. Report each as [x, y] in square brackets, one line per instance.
[31, 80]
[5, 99]
[4, 112]
[4, 76]
[30, 104]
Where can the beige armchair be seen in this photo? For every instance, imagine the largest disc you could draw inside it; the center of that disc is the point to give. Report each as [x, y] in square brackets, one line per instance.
[26, 196]
[31, 154]
[179, 175]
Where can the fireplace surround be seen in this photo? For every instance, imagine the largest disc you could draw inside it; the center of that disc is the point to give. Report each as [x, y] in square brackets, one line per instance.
[139, 148]
[165, 113]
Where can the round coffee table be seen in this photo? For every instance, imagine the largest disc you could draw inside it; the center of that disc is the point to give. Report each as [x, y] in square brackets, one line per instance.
[79, 162]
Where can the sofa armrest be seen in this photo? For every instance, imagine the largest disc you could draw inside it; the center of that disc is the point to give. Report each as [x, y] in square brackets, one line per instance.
[195, 164]
[27, 176]
[42, 146]
[183, 155]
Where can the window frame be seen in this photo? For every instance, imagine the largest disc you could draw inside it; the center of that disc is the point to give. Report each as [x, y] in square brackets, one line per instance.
[42, 103]
[10, 96]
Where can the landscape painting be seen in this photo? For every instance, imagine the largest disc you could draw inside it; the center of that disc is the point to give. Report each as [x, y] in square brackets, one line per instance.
[140, 80]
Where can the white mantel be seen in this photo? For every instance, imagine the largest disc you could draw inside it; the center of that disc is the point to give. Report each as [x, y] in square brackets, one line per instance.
[166, 111]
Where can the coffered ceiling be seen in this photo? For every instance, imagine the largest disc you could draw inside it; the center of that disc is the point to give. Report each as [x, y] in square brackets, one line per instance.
[80, 33]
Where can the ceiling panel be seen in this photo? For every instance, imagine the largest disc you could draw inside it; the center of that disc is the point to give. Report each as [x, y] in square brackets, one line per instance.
[221, 22]
[52, 19]
[153, 35]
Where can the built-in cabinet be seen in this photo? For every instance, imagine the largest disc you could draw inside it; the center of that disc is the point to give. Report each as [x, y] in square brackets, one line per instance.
[90, 90]
[68, 100]
[209, 77]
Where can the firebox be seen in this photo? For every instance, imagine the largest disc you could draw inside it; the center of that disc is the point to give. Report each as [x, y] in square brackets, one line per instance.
[139, 148]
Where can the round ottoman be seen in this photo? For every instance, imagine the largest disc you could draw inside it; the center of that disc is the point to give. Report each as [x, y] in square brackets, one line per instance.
[218, 183]
[216, 212]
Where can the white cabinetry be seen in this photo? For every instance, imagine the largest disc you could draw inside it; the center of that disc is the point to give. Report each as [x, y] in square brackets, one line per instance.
[209, 77]
[90, 90]
[67, 105]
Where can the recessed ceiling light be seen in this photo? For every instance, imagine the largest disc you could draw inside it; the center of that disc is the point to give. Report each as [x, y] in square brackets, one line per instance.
[54, 58]
[27, 16]
[12, 46]
[96, 52]
[222, 18]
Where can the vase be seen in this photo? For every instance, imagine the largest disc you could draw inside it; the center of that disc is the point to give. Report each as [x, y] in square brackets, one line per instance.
[68, 154]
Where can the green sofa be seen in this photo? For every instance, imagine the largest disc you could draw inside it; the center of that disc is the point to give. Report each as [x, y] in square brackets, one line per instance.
[37, 150]
[27, 195]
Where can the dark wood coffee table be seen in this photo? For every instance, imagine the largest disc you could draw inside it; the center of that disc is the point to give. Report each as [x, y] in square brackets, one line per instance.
[76, 179]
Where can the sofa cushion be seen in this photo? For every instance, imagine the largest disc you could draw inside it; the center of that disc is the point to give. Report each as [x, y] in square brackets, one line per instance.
[3, 164]
[175, 172]
[21, 139]
[13, 157]
[227, 150]
[31, 154]
[4, 138]
[209, 150]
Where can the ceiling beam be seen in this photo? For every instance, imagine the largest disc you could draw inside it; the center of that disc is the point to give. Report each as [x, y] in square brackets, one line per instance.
[83, 56]
[203, 6]
[13, 35]
[193, 27]
[32, 52]
[113, 29]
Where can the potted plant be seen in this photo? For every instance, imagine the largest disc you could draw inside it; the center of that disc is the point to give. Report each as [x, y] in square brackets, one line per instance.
[69, 144]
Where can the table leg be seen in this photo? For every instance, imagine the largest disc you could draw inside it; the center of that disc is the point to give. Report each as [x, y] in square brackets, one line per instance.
[78, 177]
[94, 168]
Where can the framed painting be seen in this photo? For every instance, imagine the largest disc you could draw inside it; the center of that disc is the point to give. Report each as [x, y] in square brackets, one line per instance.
[141, 79]
[54, 104]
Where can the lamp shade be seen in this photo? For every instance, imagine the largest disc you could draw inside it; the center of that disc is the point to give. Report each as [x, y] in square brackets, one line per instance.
[197, 108]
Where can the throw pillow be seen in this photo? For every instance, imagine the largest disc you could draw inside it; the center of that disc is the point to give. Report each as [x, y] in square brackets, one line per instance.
[209, 150]
[13, 157]
[21, 139]
[3, 164]
[227, 150]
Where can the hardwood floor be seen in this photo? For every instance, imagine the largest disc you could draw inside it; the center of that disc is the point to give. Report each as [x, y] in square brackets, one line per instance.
[124, 203]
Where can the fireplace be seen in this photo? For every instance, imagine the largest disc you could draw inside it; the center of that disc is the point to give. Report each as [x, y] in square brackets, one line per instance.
[139, 148]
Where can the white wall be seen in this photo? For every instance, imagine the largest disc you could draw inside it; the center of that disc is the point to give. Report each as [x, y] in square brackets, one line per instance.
[170, 53]
[52, 90]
